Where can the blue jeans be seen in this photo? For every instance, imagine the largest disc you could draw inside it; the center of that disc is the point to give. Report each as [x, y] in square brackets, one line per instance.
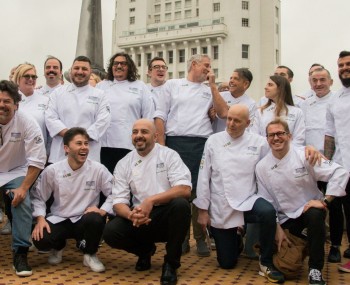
[21, 217]
[226, 239]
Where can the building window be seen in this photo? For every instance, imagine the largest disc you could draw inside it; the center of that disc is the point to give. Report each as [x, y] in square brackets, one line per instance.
[245, 22]
[177, 15]
[245, 5]
[277, 12]
[193, 51]
[216, 72]
[178, 5]
[160, 54]
[245, 51]
[187, 13]
[181, 74]
[167, 16]
[216, 7]
[132, 20]
[148, 57]
[277, 29]
[132, 9]
[181, 55]
[188, 3]
[157, 8]
[204, 50]
[157, 18]
[170, 75]
[138, 60]
[215, 52]
[170, 56]
[277, 56]
[167, 6]
[197, 12]
[132, 1]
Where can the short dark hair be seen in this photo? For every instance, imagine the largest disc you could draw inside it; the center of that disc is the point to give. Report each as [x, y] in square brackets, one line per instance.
[12, 89]
[72, 132]
[82, 58]
[279, 121]
[344, 53]
[132, 69]
[52, 57]
[289, 71]
[245, 73]
[154, 59]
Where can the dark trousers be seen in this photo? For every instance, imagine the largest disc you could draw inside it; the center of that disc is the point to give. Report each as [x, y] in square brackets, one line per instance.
[314, 221]
[190, 150]
[87, 232]
[110, 156]
[169, 224]
[226, 240]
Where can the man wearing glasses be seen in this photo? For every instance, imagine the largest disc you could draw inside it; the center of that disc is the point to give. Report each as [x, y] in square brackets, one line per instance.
[157, 72]
[23, 155]
[289, 183]
[130, 100]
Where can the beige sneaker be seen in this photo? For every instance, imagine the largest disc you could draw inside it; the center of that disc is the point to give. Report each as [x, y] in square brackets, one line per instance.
[55, 257]
[92, 261]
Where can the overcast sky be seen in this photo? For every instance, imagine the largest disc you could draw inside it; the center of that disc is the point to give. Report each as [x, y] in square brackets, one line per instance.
[312, 31]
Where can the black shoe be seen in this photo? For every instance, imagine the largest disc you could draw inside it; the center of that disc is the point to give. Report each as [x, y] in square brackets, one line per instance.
[20, 263]
[347, 253]
[185, 247]
[144, 262]
[334, 255]
[315, 277]
[169, 276]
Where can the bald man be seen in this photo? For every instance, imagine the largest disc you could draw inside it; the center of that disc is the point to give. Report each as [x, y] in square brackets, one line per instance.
[159, 185]
[226, 191]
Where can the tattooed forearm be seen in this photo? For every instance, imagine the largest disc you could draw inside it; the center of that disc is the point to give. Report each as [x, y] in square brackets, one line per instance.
[329, 147]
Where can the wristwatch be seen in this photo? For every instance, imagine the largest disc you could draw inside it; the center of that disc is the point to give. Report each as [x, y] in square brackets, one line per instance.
[326, 202]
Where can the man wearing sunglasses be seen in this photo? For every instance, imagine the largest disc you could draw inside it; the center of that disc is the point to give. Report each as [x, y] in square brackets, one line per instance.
[289, 183]
[23, 156]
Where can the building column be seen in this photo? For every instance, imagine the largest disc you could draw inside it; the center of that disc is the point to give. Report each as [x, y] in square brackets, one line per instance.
[165, 55]
[187, 55]
[153, 51]
[209, 47]
[221, 60]
[198, 44]
[142, 67]
[173, 45]
[133, 55]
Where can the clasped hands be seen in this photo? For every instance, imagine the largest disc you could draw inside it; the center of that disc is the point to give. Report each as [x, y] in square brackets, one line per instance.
[140, 214]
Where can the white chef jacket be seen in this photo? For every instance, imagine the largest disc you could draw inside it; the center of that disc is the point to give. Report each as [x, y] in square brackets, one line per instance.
[288, 184]
[129, 101]
[296, 100]
[47, 90]
[337, 125]
[184, 107]
[23, 145]
[146, 176]
[72, 106]
[73, 190]
[226, 180]
[219, 125]
[308, 94]
[314, 110]
[156, 92]
[294, 119]
[36, 105]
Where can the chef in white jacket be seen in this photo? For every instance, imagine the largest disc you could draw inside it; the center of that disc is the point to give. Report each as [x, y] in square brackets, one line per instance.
[77, 105]
[287, 181]
[226, 191]
[75, 183]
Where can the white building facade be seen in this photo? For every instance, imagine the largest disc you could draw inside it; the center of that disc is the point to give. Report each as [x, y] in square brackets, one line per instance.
[234, 33]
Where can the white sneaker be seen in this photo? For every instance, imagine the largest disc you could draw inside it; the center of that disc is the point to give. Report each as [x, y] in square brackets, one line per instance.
[6, 229]
[55, 256]
[92, 261]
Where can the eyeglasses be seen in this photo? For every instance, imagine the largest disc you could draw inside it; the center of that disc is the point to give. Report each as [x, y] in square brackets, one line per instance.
[278, 134]
[159, 67]
[28, 76]
[122, 63]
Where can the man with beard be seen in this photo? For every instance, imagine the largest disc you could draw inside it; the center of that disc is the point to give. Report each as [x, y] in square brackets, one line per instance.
[337, 140]
[75, 183]
[157, 72]
[151, 189]
[130, 100]
[23, 156]
[182, 116]
[53, 75]
[77, 105]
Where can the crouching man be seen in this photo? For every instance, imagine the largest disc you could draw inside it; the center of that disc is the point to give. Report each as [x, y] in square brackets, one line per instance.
[158, 184]
[75, 183]
[289, 183]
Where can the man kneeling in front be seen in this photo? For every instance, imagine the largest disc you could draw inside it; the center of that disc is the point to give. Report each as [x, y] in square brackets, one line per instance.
[158, 184]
